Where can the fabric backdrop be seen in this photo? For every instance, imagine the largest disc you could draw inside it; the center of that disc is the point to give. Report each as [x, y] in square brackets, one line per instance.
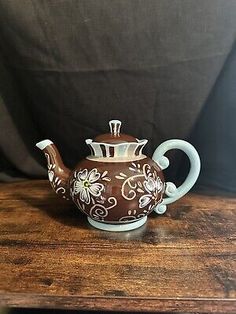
[166, 68]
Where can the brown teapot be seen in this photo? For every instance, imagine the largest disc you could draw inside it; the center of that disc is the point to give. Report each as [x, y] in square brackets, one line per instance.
[117, 186]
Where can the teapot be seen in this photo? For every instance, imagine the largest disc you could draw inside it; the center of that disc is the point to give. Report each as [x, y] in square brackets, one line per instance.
[117, 186]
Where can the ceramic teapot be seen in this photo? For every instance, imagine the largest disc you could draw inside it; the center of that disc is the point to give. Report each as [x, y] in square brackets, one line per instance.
[117, 186]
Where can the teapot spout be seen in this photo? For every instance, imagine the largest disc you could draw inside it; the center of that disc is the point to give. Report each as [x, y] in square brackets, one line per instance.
[58, 173]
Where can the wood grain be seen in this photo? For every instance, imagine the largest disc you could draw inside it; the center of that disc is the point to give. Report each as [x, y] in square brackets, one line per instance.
[50, 257]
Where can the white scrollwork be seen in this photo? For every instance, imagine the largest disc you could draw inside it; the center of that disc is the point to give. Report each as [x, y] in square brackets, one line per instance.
[99, 211]
[150, 187]
[53, 179]
[131, 184]
[87, 188]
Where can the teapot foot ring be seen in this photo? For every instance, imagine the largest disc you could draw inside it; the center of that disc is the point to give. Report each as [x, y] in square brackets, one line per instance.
[118, 227]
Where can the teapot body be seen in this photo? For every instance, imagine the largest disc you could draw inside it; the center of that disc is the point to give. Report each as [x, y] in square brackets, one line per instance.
[117, 192]
[117, 186]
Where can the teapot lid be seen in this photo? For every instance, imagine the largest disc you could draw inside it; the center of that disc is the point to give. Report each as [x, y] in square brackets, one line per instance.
[115, 137]
[115, 145]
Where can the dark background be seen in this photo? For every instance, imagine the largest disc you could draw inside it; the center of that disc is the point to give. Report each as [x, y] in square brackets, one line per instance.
[166, 68]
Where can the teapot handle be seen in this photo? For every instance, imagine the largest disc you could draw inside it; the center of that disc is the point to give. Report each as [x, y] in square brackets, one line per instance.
[173, 193]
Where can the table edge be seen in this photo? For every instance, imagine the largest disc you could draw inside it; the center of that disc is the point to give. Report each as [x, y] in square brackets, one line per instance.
[114, 303]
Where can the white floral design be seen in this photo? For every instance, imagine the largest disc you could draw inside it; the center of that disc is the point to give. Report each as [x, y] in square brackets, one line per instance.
[86, 186]
[55, 181]
[145, 181]
[153, 185]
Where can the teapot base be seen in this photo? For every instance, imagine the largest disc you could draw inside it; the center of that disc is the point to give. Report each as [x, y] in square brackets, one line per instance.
[117, 227]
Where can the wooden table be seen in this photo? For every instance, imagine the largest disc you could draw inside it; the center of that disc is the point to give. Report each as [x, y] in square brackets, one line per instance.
[50, 257]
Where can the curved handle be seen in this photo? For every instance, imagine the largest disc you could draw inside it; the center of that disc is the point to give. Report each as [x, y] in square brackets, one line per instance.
[171, 191]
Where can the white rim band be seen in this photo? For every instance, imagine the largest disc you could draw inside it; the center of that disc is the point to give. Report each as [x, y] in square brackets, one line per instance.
[117, 228]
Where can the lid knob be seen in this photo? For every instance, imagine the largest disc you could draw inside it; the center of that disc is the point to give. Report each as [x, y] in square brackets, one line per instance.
[115, 127]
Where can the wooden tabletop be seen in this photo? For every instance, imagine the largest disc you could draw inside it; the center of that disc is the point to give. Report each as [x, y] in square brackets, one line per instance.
[183, 261]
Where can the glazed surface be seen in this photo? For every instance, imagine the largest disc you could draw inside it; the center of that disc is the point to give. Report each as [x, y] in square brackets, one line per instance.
[117, 192]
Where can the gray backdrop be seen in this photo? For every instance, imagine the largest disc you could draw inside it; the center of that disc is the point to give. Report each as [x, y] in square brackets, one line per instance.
[166, 68]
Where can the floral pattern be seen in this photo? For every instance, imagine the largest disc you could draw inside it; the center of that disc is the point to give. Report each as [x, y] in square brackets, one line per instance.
[54, 180]
[152, 186]
[140, 183]
[144, 181]
[86, 185]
